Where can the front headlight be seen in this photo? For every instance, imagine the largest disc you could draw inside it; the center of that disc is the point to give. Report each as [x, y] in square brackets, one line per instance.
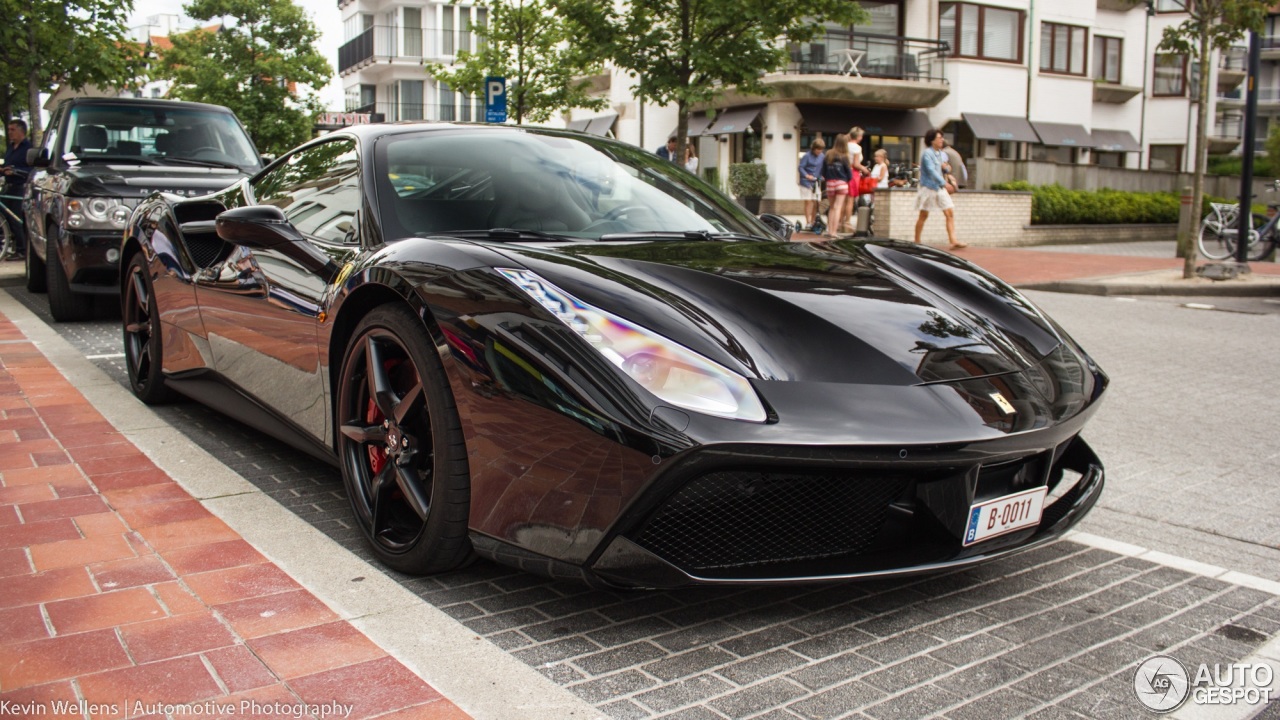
[99, 212]
[674, 373]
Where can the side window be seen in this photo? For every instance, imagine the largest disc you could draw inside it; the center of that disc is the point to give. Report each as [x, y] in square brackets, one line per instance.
[318, 189]
[51, 134]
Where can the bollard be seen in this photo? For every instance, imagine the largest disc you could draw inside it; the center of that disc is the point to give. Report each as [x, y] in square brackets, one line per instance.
[1187, 224]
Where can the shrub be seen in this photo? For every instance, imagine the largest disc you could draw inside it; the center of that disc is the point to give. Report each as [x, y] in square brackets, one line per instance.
[748, 179]
[1056, 205]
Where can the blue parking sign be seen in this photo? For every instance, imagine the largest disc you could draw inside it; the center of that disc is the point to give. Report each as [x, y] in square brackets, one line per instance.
[495, 99]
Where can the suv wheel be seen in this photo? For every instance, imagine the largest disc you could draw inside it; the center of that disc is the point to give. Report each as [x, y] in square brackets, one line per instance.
[64, 305]
[36, 280]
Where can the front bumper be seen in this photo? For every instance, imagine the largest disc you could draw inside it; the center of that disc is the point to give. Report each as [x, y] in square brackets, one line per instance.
[798, 522]
[93, 261]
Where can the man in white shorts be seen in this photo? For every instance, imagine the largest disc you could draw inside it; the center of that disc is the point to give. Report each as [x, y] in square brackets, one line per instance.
[932, 194]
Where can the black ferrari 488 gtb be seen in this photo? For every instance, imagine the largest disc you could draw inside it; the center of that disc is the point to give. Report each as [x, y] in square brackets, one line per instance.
[565, 353]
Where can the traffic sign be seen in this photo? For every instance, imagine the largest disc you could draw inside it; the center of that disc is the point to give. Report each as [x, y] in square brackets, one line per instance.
[495, 99]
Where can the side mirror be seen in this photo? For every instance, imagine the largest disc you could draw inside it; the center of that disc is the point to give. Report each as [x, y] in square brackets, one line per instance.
[267, 159]
[264, 227]
[779, 225]
[38, 157]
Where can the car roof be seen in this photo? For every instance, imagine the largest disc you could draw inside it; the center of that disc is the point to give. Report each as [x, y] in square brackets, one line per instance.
[376, 130]
[146, 102]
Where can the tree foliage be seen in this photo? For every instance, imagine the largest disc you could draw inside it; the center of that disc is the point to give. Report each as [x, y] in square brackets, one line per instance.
[523, 41]
[257, 65]
[1211, 25]
[688, 52]
[44, 44]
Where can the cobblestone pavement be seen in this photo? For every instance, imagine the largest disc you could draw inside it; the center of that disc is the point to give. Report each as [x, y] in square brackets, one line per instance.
[1053, 633]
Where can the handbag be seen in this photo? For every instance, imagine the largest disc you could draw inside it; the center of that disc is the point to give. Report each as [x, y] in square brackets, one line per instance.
[867, 185]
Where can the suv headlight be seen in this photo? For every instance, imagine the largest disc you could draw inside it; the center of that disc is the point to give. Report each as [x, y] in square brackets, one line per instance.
[675, 374]
[99, 212]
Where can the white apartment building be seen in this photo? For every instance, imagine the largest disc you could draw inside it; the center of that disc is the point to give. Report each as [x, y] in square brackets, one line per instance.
[1067, 81]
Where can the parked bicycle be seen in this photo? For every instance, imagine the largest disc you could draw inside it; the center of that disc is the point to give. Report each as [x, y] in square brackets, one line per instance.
[1220, 231]
[9, 222]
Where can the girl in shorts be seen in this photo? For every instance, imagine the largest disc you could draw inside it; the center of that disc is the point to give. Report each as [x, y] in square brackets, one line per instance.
[839, 173]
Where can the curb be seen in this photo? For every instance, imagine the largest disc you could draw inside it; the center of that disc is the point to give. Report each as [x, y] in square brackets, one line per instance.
[1099, 286]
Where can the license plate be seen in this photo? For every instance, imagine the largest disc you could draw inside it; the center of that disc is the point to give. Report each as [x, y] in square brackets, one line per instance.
[1005, 515]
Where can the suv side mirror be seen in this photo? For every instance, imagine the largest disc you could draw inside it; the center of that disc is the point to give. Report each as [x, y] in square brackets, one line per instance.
[264, 227]
[778, 224]
[38, 157]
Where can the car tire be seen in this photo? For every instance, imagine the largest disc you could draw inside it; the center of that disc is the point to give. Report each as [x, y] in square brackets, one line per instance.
[64, 305]
[400, 445]
[37, 282]
[143, 346]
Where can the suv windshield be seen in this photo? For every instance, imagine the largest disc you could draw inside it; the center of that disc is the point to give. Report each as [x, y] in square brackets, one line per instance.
[145, 134]
[437, 182]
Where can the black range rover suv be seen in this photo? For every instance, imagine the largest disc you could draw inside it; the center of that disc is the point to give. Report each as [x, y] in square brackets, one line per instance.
[98, 159]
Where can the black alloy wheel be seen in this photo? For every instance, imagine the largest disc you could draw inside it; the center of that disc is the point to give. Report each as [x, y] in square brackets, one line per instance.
[37, 282]
[142, 343]
[401, 447]
[64, 305]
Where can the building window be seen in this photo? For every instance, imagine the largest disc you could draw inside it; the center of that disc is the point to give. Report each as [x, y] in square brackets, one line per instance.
[448, 110]
[1171, 6]
[978, 31]
[356, 25]
[1170, 75]
[1104, 158]
[1165, 157]
[1062, 48]
[446, 31]
[1107, 52]
[1054, 154]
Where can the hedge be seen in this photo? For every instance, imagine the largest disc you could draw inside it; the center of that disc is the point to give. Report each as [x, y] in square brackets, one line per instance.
[1056, 205]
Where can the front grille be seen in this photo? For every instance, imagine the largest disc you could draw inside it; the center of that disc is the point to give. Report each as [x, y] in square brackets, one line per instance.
[743, 519]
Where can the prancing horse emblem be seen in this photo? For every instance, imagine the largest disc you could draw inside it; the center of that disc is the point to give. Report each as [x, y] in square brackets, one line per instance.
[1005, 406]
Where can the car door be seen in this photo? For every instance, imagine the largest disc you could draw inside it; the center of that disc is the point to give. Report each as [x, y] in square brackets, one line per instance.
[261, 308]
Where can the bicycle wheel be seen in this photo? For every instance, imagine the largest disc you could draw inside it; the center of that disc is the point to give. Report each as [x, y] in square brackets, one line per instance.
[1217, 239]
[7, 244]
[1260, 244]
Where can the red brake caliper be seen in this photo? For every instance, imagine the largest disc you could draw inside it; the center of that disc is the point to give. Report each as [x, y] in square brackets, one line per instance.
[377, 453]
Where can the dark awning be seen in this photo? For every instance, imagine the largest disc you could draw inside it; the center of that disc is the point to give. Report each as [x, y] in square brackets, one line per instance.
[698, 123]
[579, 125]
[733, 120]
[1115, 141]
[835, 119]
[600, 125]
[1063, 134]
[1009, 128]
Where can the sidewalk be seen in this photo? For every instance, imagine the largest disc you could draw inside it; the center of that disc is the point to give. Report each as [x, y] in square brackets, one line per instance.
[120, 594]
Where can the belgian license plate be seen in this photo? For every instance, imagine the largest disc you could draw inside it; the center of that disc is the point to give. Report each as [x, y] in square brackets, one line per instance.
[1005, 515]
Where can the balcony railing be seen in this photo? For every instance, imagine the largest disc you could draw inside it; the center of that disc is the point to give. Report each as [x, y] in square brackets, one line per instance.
[389, 42]
[1266, 95]
[1234, 58]
[443, 112]
[877, 56]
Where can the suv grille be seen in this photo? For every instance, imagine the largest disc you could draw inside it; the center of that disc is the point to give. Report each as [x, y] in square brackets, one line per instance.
[742, 519]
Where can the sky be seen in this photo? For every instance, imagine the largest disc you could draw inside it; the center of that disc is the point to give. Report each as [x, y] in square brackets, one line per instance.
[324, 13]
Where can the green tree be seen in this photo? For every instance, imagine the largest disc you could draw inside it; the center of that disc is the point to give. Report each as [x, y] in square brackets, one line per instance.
[256, 66]
[546, 71]
[1211, 25]
[44, 43]
[688, 52]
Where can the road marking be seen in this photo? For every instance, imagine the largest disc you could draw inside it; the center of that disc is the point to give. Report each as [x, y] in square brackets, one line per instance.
[1125, 299]
[1173, 561]
[1199, 306]
[108, 356]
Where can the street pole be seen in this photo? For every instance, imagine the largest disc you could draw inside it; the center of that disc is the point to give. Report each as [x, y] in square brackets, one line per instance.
[1246, 170]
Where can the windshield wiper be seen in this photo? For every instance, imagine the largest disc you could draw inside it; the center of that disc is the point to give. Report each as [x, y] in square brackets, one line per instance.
[692, 235]
[118, 159]
[509, 234]
[203, 163]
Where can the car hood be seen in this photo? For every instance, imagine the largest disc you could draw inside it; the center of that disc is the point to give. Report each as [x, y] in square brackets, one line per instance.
[137, 181]
[851, 312]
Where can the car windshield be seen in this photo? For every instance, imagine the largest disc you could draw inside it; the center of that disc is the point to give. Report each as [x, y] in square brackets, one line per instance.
[154, 134]
[579, 188]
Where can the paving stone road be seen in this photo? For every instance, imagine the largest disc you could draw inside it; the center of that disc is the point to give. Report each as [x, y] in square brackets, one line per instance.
[1054, 633]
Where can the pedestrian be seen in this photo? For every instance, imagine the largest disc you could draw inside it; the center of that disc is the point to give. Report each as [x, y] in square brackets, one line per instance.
[859, 171]
[690, 159]
[838, 175]
[880, 169]
[15, 171]
[811, 182]
[668, 151]
[932, 194]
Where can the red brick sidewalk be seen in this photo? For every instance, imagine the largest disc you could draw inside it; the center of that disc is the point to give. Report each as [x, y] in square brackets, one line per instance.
[117, 588]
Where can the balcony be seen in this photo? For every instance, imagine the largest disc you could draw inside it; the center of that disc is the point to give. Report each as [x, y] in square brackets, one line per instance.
[869, 69]
[1115, 93]
[1117, 5]
[1233, 67]
[1270, 47]
[1226, 134]
[409, 46]
[1268, 99]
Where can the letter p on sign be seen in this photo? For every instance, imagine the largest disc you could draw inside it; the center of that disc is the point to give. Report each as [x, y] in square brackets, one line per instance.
[495, 99]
